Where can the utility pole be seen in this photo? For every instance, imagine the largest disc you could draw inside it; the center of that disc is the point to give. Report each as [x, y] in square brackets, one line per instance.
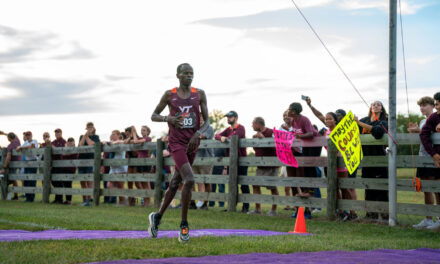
[392, 171]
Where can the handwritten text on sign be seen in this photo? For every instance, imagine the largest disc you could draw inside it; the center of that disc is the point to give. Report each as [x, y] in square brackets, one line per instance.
[283, 144]
[347, 140]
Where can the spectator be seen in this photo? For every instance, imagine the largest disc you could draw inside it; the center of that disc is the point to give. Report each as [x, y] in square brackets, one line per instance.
[330, 120]
[88, 139]
[432, 125]
[225, 135]
[115, 139]
[426, 105]
[204, 153]
[218, 170]
[46, 140]
[69, 170]
[376, 124]
[143, 154]
[259, 126]
[106, 170]
[29, 143]
[59, 142]
[131, 134]
[303, 129]
[14, 142]
[286, 126]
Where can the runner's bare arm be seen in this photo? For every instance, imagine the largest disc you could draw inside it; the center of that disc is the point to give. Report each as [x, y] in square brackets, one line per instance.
[204, 111]
[156, 117]
[205, 114]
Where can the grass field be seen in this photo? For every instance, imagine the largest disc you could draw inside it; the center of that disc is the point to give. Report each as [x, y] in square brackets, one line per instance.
[326, 235]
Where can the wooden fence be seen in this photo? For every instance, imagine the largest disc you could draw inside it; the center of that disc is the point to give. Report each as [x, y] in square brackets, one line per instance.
[232, 197]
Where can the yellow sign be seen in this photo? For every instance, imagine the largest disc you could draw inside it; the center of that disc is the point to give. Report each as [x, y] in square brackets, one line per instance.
[347, 140]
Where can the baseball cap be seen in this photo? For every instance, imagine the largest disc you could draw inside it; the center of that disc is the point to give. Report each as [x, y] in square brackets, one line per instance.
[232, 113]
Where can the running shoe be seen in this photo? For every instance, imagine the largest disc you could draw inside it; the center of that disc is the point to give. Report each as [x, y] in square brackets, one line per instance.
[434, 225]
[154, 224]
[184, 232]
[254, 212]
[272, 213]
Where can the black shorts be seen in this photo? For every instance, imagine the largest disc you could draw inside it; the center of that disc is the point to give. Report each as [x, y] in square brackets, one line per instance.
[428, 173]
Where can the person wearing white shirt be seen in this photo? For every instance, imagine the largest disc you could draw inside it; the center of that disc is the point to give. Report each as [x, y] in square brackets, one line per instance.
[29, 143]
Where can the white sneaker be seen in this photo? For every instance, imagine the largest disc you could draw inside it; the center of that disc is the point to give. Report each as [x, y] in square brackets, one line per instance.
[434, 226]
[254, 212]
[316, 210]
[425, 223]
[199, 204]
[272, 213]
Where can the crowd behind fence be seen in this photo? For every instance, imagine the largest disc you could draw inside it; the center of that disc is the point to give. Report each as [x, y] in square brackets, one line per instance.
[331, 183]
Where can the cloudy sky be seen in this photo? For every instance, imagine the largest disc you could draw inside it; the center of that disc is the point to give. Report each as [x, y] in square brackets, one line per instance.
[64, 63]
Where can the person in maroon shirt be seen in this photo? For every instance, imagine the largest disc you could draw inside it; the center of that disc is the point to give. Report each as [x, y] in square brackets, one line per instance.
[14, 142]
[259, 126]
[432, 125]
[236, 129]
[69, 170]
[185, 104]
[59, 142]
[303, 129]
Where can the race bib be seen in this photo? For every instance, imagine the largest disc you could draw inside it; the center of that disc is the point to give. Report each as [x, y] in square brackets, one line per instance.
[189, 119]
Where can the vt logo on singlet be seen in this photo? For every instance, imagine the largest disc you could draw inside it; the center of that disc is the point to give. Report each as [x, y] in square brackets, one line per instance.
[189, 119]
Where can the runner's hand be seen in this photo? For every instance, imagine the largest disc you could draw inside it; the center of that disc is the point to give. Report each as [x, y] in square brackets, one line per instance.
[437, 128]
[223, 139]
[192, 144]
[308, 101]
[177, 122]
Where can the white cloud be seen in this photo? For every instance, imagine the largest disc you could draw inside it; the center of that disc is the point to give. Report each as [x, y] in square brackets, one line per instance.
[137, 45]
[422, 60]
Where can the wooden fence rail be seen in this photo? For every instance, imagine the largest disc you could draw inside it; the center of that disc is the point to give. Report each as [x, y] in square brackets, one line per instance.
[233, 179]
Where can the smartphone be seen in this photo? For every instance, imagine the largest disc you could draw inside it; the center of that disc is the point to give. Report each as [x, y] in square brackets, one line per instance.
[303, 97]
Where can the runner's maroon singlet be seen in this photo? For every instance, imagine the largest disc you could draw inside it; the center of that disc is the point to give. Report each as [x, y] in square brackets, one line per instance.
[179, 138]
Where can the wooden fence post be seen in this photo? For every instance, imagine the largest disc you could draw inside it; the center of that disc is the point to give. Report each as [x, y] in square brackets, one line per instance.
[332, 180]
[97, 172]
[4, 180]
[233, 174]
[47, 167]
[158, 193]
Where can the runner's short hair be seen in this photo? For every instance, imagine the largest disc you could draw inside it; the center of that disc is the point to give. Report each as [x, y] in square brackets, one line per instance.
[179, 68]
[437, 96]
[425, 100]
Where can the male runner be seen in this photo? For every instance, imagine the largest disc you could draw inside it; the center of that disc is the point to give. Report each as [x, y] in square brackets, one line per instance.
[185, 104]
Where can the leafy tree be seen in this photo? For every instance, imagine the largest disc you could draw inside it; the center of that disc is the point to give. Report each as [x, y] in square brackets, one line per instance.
[402, 127]
[217, 120]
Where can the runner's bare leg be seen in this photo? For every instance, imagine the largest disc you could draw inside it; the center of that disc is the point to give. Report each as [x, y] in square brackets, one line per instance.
[188, 183]
[171, 192]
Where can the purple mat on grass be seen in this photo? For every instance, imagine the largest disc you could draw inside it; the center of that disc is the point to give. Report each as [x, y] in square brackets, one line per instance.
[20, 235]
[422, 255]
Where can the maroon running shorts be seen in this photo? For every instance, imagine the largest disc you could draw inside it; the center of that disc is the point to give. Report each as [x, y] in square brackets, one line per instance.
[180, 157]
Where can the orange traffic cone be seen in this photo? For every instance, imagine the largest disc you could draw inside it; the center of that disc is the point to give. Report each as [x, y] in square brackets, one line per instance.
[300, 224]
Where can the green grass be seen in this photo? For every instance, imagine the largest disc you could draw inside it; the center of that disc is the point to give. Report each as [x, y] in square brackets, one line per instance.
[327, 235]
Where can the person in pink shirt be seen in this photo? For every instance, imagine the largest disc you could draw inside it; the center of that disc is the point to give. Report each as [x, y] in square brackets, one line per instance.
[145, 137]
